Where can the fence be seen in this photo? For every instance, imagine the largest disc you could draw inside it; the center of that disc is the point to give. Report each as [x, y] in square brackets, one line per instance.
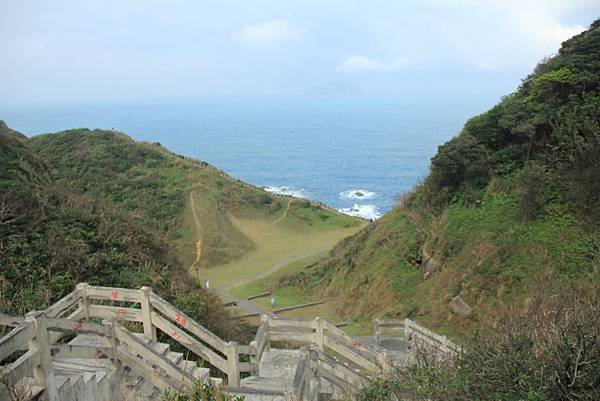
[152, 313]
[324, 336]
[26, 351]
[416, 336]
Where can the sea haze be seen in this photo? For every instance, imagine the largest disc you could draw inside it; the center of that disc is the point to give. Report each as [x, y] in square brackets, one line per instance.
[354, 154]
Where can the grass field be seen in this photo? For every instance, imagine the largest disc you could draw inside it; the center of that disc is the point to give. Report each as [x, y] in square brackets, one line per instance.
[287, 296]
[276, 246]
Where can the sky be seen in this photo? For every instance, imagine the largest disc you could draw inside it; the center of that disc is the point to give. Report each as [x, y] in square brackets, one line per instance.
[73, 50]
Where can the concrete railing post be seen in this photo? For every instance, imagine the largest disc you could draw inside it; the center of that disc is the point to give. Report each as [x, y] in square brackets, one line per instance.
[444, 347]
[376, 332]
[83, 303]
[313, 367]
[146, 305]
[265, 319]
[319, 333]
[44, 372]
[307, 376]
[233, 364]
[110, 323]
[385, 361]
[408, 336]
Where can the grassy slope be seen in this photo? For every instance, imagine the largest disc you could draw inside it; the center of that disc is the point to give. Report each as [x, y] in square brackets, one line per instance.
[195, 205]
[51, 238]
[510, 208]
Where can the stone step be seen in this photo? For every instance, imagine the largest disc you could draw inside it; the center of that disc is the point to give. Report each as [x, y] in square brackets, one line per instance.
[279, 363]
[201, 374]
[91, 341]
[161, 348]
[92, 386]
[175, 357]
[267, 383]
[187, 366]
[147, 390]
[77, 366]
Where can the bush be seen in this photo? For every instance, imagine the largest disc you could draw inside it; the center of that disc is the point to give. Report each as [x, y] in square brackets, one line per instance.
[200, 392]
[532, 198]
[549, 352]
[459, 166]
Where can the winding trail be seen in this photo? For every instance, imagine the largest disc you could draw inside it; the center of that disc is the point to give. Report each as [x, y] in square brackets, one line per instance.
[284, 213]
[198, 243]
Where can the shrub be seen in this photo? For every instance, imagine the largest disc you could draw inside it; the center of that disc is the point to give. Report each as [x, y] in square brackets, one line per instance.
[548, 352]
[200, 392]
[532, 197]
[459, 166]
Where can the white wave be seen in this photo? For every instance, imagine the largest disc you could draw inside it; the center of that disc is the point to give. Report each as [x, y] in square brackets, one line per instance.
[297, 193]
[370, 212]
[358, 194]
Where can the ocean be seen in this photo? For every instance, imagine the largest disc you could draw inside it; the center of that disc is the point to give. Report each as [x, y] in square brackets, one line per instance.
[355, 154]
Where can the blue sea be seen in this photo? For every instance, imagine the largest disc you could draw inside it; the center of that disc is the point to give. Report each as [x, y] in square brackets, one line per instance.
[355, 154]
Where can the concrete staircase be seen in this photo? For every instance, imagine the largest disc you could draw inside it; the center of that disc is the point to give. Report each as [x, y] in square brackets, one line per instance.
[276, 371]
[84, 379]
[109, 361]
[133, 385]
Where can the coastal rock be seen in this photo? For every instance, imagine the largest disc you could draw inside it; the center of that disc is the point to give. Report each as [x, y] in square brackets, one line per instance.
[459, 307]
[429, 263]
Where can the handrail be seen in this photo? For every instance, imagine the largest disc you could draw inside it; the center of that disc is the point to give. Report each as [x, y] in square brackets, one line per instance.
[173, 374]
[261, 340]
[37, 334]
[16, 340]
[187, 322]
[11, 321]
[189, 342]
[337, 373]
[63, 304]
[156, 313]
[325, 334]
[414, 333]
[301, 382]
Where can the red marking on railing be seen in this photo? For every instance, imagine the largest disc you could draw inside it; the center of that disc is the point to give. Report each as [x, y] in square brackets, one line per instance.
[120, 312]
[77, 325]
[176, 335]
[357, 344]
[114, 294]
[181, 320]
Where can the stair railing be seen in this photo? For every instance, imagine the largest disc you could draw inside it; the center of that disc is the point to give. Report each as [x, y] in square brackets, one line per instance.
[325, 336]
[419, 337]
[164, 373]
[153, 312]
[21, 339]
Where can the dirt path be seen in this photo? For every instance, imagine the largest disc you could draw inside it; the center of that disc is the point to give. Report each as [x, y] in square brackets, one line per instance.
[198, 243]
[284, 213]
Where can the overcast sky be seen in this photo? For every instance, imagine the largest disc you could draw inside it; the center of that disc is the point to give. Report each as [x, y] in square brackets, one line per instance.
[72, 50]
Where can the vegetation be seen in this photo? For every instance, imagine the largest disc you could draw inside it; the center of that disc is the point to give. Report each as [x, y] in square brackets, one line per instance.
[51, 238]
[96, 206]
[510, 204]
[200, 392]
[550, 351]
[190, 202]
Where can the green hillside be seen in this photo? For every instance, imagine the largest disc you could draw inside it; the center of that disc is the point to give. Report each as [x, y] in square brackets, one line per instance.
[193, 203]
[511, 207]
[52, 238]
